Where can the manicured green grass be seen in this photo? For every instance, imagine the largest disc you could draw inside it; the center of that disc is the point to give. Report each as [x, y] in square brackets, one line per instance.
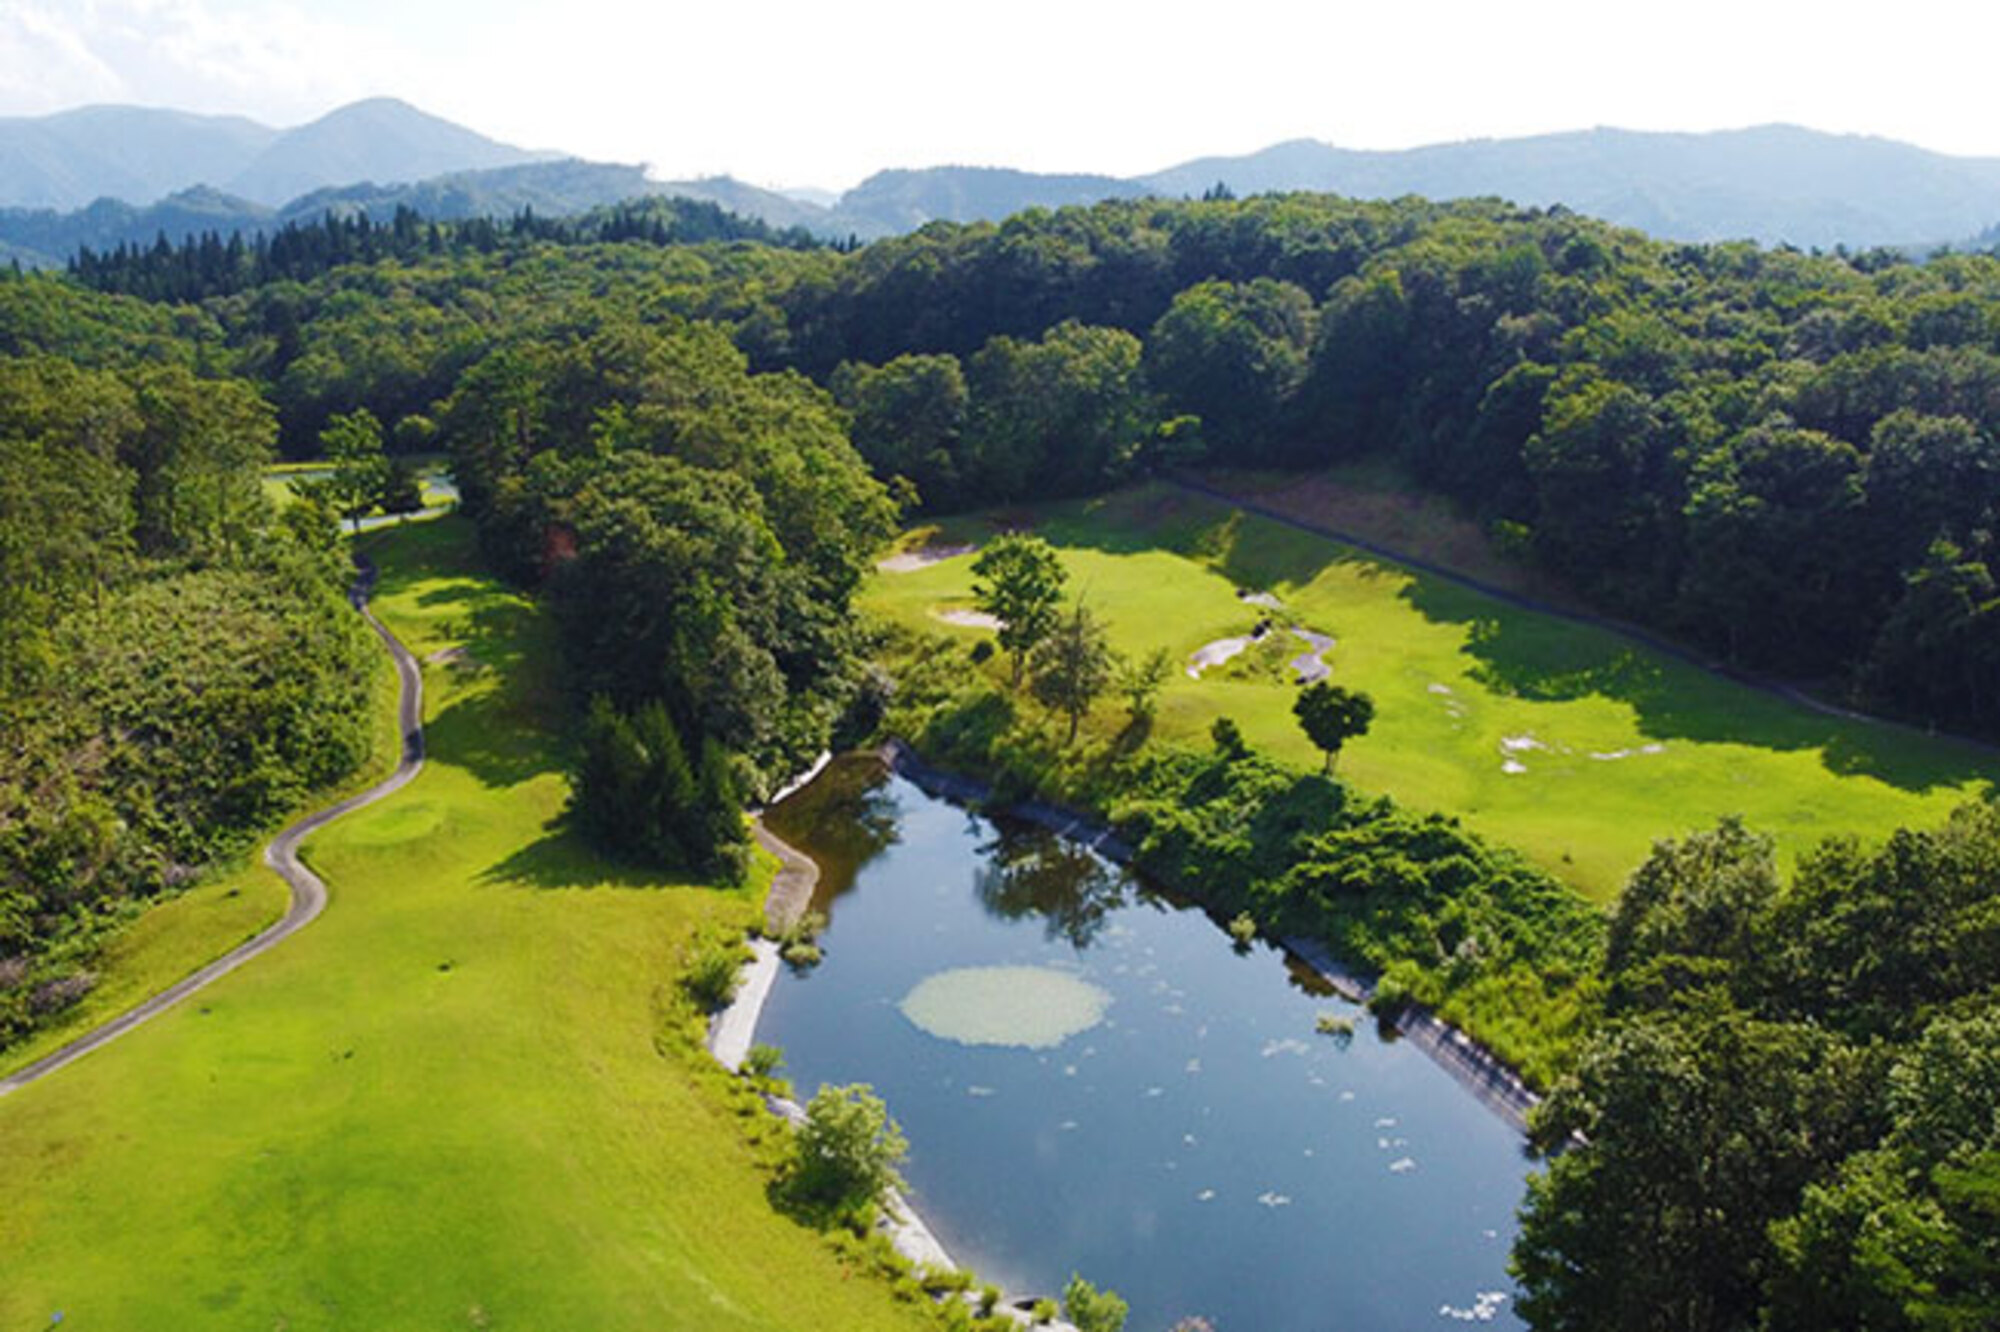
[1457, 677]
[280, 479]
[465, 1097]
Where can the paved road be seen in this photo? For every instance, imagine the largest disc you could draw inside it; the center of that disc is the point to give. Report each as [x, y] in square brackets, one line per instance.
[282, 855]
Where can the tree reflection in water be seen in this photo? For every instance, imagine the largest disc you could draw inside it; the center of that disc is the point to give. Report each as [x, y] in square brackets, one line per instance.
[1029, 872]
[847, 816]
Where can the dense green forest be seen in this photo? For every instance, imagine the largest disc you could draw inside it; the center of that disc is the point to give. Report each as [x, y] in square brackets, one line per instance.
[177, 667]
[1789, 459]
[1778, 1097]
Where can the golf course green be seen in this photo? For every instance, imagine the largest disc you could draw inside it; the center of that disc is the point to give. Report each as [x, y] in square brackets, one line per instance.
[1572, 743]
[466, 1096]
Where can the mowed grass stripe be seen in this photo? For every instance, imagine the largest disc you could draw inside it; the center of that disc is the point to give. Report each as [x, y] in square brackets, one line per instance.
[1464, 686]
[443, 1105]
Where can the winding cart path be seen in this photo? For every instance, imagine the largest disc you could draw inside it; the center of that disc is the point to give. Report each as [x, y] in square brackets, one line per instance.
[282, 855]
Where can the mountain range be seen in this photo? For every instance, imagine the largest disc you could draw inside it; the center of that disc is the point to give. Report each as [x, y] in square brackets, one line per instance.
[101, 175]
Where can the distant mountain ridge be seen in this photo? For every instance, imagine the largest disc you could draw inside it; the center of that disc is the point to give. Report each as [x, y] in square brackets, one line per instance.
[62, 178]
[1772, 184]
[142, 154]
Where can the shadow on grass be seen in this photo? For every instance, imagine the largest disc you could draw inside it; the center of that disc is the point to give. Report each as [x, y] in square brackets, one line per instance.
[560, 858]
[1525, 652]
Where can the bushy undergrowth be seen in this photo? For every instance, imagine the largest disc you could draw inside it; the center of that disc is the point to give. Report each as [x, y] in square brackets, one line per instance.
[1496, 945]
[181, 714]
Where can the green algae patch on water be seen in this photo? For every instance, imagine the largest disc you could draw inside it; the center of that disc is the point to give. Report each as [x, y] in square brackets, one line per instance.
[1033, 1008]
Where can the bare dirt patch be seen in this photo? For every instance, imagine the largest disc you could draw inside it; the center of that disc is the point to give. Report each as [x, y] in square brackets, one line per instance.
[922, 557]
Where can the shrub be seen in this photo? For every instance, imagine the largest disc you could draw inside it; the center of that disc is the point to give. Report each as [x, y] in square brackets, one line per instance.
[1091, 1309]
[762, 1061]
[712, 975]
[847, 1151]
[1043, 1312]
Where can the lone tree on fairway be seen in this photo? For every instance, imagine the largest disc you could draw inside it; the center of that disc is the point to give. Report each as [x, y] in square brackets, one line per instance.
[353, 444]
[1331, 716]
[1021, 585]
[848, 1150]
[1072, 666]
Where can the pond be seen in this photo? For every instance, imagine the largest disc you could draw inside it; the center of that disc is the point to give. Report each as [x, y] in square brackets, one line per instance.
[1093, 1078]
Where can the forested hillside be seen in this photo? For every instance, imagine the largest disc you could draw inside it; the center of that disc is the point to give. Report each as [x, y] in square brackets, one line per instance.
[1787, 459]
[1790, 460]
[177, 668]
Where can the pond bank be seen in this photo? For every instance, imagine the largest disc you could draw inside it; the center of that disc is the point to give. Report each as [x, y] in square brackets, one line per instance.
[1484, 1074]
[733, 1030]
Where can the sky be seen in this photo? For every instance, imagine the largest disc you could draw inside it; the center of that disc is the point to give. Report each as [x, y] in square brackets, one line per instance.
[785, 93]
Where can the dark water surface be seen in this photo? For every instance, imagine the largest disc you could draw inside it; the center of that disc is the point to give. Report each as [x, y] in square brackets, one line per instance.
[1202, 1150]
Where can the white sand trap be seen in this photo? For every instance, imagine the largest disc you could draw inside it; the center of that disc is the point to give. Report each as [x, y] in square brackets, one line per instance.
[1616, 754]
[966, 619]
[1268, 600]
[909, 561]
[1513, 767]
[1520, 744]
[1441, 690]
[1311, 666]
[1214, 654]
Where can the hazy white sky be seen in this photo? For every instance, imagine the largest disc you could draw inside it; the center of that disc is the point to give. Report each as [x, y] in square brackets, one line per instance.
[790, 93]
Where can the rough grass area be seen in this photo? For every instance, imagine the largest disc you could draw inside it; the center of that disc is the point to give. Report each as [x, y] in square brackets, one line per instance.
[468, 1096]
[1575, 745]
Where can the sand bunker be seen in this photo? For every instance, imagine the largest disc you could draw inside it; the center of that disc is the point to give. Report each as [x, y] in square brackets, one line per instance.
[966, 619]
[1268, 600]
[1214, 654]
[1311, 666]
[1034, 1008]
[922, 557]
[1616, 754]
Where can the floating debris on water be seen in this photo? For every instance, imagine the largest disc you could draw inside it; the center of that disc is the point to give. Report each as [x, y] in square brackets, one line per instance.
[1193, 1066]
[1485, 1308]
[1387, 1121]
[1206, 1195]
[1402, 1165]
[1286, 1045]
[1270, 1199]
[979, 1091]
[1151, 1092]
